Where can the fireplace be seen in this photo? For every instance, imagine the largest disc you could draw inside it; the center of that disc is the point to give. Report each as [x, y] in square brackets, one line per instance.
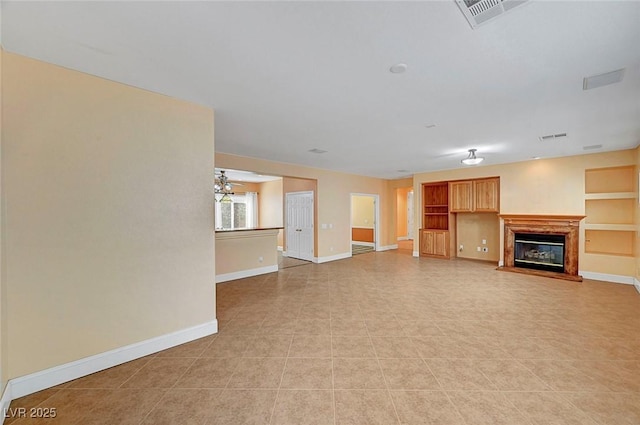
[539, 251]
[542, 245]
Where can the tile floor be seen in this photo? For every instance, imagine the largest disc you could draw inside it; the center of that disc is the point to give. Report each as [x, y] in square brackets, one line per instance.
[384, 338]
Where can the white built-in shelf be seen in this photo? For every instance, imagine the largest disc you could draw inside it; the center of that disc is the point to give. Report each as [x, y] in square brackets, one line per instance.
[610, 195]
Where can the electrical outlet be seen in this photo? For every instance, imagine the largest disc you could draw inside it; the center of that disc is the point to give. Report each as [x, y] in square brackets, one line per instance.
[461, 248]
[484, 242]
[479, 249]
[485, 249]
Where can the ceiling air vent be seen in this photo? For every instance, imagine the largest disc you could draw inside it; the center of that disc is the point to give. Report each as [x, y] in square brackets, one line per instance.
[478, 12]
[552, 136]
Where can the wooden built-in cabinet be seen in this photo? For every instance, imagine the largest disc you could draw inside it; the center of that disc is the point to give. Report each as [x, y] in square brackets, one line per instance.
[482, 195]
[441, 200]
[434, 235]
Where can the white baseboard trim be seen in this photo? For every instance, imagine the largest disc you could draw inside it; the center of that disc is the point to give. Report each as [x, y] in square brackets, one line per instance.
[29, 384]
[280, 248]
[636, 283]
[388, 247]
[245, 273]
[5, 402]
[403, 238]
[363, 243]
[319, 260]
[627, 280]
[501, 263]
[416, 253]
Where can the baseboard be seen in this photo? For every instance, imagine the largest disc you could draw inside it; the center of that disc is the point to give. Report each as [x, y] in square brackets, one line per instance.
[5, 402]
[636, 283]
[416, 253]
[319, 260]
[501, 263]
[403, 238]
[29, 384]
[627, 280]
[388, 247]
[280, 248]
[363, 243]
[245, 273]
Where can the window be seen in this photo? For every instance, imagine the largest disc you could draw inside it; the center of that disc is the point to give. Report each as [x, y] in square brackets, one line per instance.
[240, 213]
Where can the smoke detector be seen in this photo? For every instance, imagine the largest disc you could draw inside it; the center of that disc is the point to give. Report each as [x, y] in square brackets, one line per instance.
[478, 12]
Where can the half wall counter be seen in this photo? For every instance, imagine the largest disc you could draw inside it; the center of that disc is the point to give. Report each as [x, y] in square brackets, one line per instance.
[244, 253]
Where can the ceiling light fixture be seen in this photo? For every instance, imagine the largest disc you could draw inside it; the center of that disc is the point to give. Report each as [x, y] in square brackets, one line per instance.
[398, 68]
[223, 187]
[472, 159]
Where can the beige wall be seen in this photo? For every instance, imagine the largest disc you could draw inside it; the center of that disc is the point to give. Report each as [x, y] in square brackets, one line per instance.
[332, 199]
[362, 211]
[245, 250]
[3, 298]
[545, 186]
[401, 211]
[244, 187]
[472, 229]
[270, 195]
[389, 208]
[109, 214]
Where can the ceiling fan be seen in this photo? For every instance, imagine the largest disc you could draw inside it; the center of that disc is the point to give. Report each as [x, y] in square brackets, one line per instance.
[222, 186]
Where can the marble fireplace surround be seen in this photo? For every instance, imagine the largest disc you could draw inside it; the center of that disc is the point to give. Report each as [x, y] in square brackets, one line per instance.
[566, 225]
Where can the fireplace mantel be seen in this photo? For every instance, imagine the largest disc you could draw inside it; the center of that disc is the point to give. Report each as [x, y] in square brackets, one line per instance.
[567, 225]
[537, 220]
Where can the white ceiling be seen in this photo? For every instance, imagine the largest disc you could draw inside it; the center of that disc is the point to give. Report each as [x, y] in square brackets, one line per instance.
[287, 77]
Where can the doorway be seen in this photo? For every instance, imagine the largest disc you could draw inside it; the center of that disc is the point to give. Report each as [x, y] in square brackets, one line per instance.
[299, 225]
[365, 215]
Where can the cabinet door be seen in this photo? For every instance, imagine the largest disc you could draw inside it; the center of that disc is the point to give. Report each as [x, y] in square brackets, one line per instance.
[441, 244]
[427, 243]
[487, 195]
[461, 196]
[434, 243]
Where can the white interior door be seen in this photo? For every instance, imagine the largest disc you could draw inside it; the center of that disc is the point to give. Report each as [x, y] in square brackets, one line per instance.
[299, 225]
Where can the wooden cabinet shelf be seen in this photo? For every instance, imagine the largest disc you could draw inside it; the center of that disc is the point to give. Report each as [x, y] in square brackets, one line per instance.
[435, 198]
[434, 235]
